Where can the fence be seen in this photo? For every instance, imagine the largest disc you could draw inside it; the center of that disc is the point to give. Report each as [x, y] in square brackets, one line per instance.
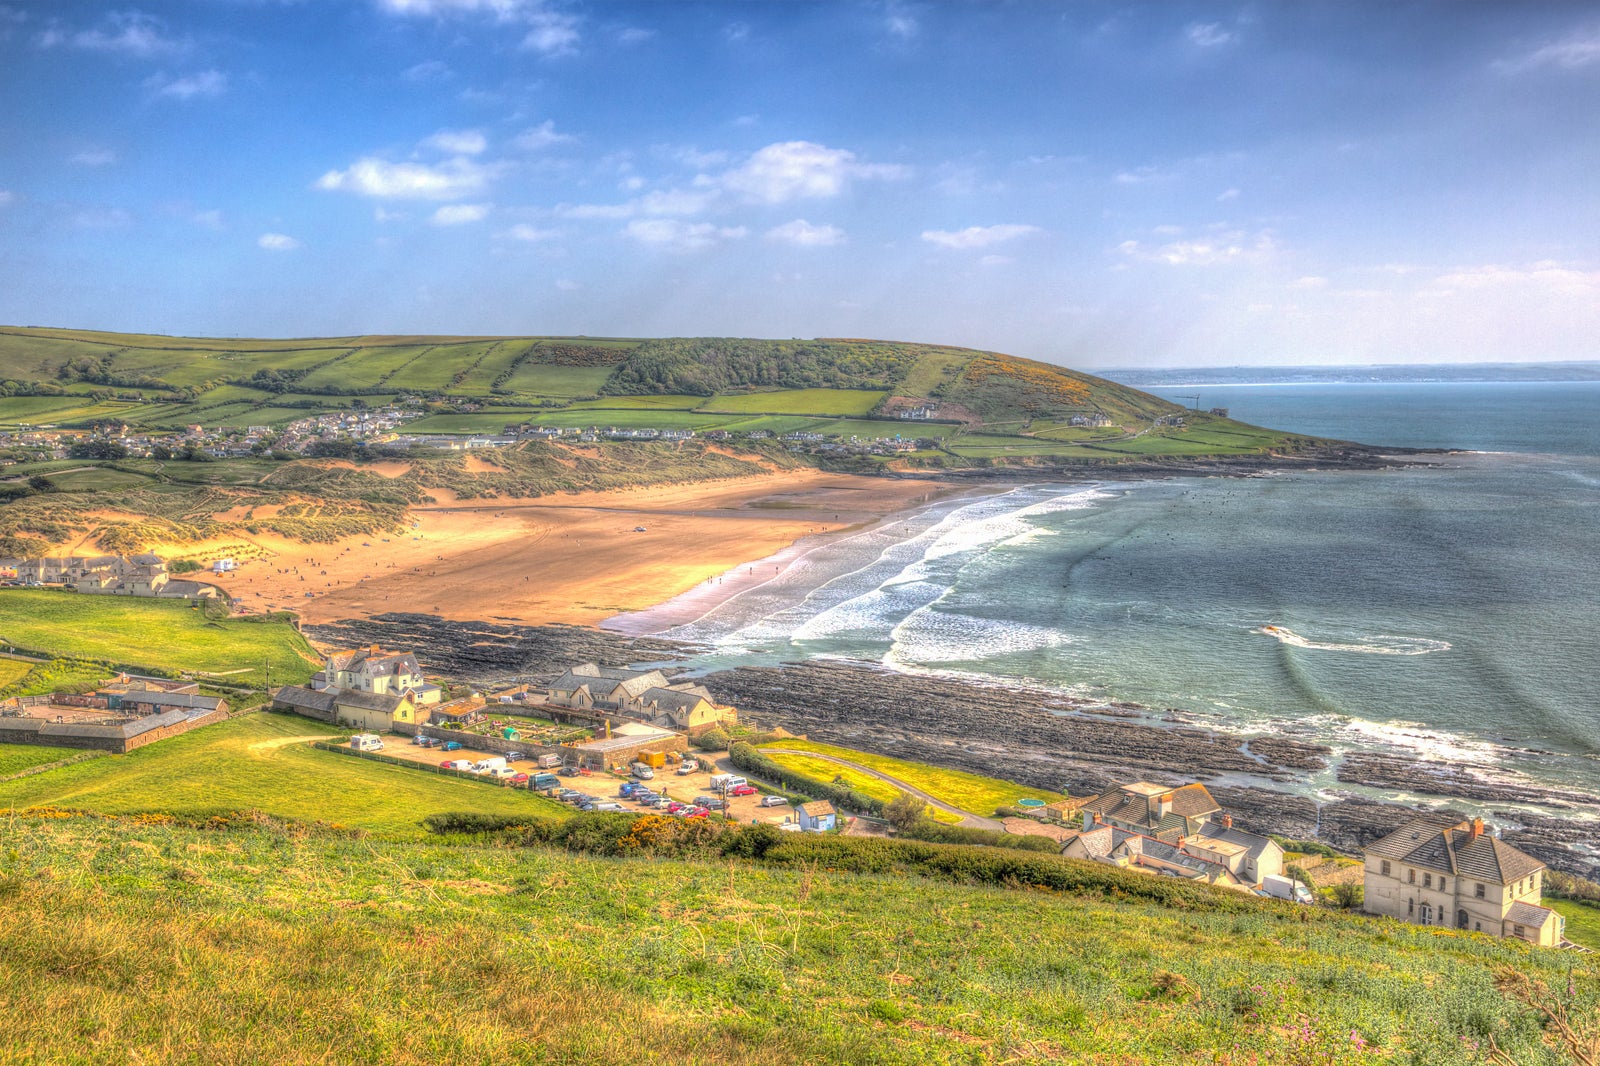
[467, 775]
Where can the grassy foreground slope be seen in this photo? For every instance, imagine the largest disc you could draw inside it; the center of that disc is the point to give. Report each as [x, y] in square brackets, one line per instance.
[262, 943]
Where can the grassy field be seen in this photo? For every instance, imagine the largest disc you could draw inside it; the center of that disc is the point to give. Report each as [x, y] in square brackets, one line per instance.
[840, 402]
[261, 762]
[1583, 920]
[17, 757]
[162, 634]
[250, 944]
[866, 784]
[969, 792]
[12, 670]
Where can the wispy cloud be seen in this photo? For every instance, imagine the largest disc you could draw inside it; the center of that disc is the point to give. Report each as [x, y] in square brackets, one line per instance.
[7, 197]
[1208, 34]
[532, 234]
[1580, 49]
[900, 21]
[451, 179]
[94, 157]
[663, 202]
[978, 236]
[458, 142]
[194, 86]
[460, 214]
[427, 70]
[797, 170]
[1228, 246]
[539, 137]
[548, 30]
[804, 235]
[677, 235]
[1143, 175]
[277, 242]
[128, 33]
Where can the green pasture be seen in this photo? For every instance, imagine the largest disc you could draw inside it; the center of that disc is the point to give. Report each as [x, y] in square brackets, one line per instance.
[969, 792]
[1583, 920]
[14, 758]
[160, 634]
[835, 402]
[264, 762]
[537, 379]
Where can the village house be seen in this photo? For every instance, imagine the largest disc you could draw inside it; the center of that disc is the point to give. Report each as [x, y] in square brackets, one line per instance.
[369, 712]
[1118, 847]
[817, 816]
[372, 669]
[1441, 872]
[112, 575]
[646, 695]
[1160, 811]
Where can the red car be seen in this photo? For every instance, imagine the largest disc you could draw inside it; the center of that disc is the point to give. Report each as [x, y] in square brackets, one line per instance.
[742, 790]
[674, 807]
[698, 812]
[519, 779]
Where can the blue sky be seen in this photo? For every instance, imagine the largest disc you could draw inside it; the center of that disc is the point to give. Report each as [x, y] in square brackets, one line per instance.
[1096, 184]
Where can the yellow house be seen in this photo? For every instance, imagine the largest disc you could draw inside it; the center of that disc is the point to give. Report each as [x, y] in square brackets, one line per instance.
[372, 712]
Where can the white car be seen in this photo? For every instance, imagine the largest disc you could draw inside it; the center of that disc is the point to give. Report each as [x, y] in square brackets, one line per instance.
[499, 773]
[689, 766]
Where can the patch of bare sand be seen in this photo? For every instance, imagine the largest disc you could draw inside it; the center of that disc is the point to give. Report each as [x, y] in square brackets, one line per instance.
[574, 558]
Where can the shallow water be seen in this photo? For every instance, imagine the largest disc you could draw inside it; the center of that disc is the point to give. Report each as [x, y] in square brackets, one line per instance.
[1450, 611]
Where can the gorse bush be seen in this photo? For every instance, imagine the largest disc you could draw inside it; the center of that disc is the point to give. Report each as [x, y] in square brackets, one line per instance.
[940, 833]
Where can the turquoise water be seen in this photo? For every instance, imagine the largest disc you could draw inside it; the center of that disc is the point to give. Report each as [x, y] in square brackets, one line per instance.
[1452, 611]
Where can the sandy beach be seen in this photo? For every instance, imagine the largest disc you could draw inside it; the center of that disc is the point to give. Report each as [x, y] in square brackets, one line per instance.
[576, 558]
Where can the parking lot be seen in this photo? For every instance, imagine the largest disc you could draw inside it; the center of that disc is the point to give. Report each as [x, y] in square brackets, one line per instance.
[603, 786]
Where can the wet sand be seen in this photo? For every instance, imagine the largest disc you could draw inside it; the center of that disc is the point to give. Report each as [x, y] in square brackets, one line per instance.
[575, 559]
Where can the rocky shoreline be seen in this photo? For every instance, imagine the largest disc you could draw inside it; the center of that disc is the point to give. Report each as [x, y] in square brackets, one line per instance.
[1035, 737]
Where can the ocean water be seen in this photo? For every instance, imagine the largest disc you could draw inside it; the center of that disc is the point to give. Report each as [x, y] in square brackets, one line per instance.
[1451, 611]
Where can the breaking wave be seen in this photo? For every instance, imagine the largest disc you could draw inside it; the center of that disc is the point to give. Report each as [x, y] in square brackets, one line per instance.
[1382, 644]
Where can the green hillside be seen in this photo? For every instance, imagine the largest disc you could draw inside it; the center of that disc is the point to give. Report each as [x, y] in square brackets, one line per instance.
[75, 377]
[246, 940]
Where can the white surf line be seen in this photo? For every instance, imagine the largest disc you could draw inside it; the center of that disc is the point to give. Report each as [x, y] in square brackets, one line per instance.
[876, 527]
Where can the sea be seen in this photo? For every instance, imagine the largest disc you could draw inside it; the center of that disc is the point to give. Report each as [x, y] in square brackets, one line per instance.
[1449, 611]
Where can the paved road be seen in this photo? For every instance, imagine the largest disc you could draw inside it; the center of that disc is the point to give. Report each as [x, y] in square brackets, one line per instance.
[974, 821]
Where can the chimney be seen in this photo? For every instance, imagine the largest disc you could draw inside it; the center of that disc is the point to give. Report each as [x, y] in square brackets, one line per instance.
[1097, 818]
[373, 650]
[1477, 828]
[1227, 821]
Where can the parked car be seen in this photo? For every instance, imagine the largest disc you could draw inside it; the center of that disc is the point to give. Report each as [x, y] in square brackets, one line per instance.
[452, 745]
[711, 803]
[698, 812]
[500, 773]
[772, 801]
[420, 740]
[628, 788]
[674, 807]
[514, 756]
[519, 779]
[662, 804]
[587, 805]
[642, 772]
[608, 806]
[569, 795]
[742, 790]
[687, 767]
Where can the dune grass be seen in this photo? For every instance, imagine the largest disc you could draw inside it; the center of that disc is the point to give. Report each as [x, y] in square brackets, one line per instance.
[968, 792]
[263, 762]
[158, 634]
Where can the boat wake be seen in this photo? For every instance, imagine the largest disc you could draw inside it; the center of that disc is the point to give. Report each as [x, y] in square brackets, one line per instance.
[1374, 645]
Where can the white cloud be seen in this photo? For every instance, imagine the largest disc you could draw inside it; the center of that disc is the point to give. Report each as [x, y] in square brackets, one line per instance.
[900, 22]
[102, 218]
[94, 157]
[736, 32]
[681, 236]
[524, 232]
[567, 285]
[205, 83]
[541, 136]
[449, 180]
[129, 33]
[634, 35]
[793, 170]
[1229, 246]
[211, 219]
[1143, 176]
[503, 8]
[1550, 276]
[551, 33]
[7, 197]
[978, 236]
[1208, 34]
[668, 202]
[428, 70]
[460, 214]
[1577, 51]
[805, 235]
[458, 142]
[1309, 283]
[1227, 194]
[277, 242]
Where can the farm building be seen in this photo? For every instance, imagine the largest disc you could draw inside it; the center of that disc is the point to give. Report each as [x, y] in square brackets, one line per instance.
[114, 721]
[370, 712]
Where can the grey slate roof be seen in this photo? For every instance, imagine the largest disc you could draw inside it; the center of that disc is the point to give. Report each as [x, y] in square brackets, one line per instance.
[1255, 844]
[1449, 847]
[294, 696]
[1521, 913]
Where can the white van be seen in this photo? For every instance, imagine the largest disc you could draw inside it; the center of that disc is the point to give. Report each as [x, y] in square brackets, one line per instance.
[727, 782]
[500, 773]
[367, 742]
[687, 767]
[483, 766]
[642, 771]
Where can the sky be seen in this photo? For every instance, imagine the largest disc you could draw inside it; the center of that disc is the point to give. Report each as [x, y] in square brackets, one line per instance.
[1093, 184]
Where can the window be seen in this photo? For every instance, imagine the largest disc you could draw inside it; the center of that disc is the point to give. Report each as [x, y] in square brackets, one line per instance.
[1427, 880]
[1444, 884]
[1385, 871]
[1411, 907]
[1477, 927]
[1478, 891]
[1411, 877]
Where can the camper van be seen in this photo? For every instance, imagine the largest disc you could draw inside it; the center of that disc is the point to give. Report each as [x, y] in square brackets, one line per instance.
[367, 742]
